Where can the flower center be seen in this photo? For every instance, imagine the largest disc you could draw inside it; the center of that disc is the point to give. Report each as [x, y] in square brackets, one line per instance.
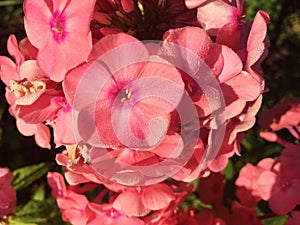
[125, 95]
[58, 27]
[25, 87]
[113, 213]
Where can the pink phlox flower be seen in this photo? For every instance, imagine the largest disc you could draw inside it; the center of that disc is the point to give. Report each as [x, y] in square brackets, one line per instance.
[171, 214]
[108, 215]
[34, 94]
[140, 201]
[281, 184]
[7, 192]
[133, 92]
[73, 208]
[72, 205]
[61, 32]
[214, 15]
[29, 91]
[247, 186]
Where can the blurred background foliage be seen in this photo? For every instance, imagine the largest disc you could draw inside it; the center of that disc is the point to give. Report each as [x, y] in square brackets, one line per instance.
[281, 71]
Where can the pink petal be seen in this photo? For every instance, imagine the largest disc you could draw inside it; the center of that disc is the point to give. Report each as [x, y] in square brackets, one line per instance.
[37, 18]
[127, 5]
[8, 70]
[253, 90]
[130, 202]
[257, 43]
[230, 35]
[232, 65]
[25, 128]
[265, 183]
[57, 183]
[42, 136]
[192, 38]
[215, 14]
[157, 196]
[27, 49]
[170, 147]
[31, 71]
[72, 80]
[52, 59]
[190, 4]
[13, 49]
[63, 128]
[34, 109]
[285, 198]
[60, 5]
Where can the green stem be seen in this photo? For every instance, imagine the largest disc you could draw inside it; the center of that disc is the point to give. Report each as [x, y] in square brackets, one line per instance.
[11, 2]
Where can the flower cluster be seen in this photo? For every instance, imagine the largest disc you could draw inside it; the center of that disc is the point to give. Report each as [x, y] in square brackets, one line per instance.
[139, 91]
[275, 180]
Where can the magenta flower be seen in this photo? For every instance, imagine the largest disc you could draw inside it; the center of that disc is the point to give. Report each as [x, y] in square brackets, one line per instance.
[60, 31]
[7, 192]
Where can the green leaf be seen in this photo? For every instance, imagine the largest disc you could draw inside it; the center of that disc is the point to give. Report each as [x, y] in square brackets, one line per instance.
[229, 170]
[25, 176]
[39, 194]
[276, 221]
[37, 212]
[19, 222]
[11, 2]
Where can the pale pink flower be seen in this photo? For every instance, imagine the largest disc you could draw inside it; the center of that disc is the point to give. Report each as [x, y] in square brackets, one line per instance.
[60, 30]
[7, 192]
